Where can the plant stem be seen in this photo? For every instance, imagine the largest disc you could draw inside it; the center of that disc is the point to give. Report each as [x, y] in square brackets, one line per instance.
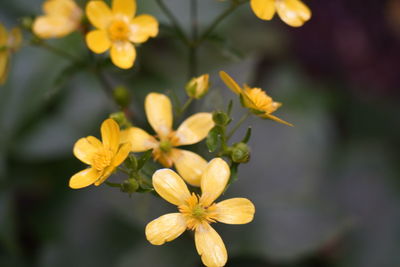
[185, 106]
[110, 184]
[238, 124]
[174, 21]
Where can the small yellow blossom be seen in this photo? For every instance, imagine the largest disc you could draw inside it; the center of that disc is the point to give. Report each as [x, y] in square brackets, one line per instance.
[198, 87]
[9, 43]
[292, 12]
[117, 29]
[61, 18]
[198, 212]
[194, 129]
[255, 99]
[103, 157]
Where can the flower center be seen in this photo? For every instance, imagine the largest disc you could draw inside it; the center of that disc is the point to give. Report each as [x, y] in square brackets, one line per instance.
[261, 99]
[196, 213]
[165, 146]
[102, 158]
[118, 30]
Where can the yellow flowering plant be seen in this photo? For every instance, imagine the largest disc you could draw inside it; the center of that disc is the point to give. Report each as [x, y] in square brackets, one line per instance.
[190, 144]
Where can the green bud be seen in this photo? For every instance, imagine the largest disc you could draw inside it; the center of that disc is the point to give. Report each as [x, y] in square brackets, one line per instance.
[122, 96]
[221, 118]
[132, 163]
[121, 119]
[198, 87]
[240, 153]
[129, 186]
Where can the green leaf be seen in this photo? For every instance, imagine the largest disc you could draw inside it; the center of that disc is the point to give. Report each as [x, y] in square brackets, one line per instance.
[214, 138]
[247, 136]
[144, 158]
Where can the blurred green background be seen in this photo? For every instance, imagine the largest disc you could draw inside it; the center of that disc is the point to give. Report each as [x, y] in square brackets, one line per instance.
[327, 191]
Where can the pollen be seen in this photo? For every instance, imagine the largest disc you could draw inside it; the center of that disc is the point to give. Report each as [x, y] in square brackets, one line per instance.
[102, 158]
[118, 31]
[261, 100]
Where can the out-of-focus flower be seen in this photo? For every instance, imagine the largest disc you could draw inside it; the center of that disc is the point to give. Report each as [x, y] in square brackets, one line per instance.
[103, 157]
[198, 212]
[9, 43]
[292, 12]
[255, 99]
[198, 86]
[61, 17]
[117, 29]
[194, 129]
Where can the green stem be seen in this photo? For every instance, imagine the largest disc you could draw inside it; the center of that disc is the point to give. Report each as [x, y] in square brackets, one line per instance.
[238, 124]
[174, 21]
[185, 106]
[219, 19]
[110, 184]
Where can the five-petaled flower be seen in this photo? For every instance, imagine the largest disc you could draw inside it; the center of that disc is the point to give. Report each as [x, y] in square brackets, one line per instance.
[194, 129]
[9, 43]
[117, 29]
[61, 18]
[198, 212]
[292, 12]
[103, 157]
[255, 99]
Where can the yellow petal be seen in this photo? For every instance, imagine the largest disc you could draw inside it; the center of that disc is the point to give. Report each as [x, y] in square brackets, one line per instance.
[110, 134]
[159, 113]
[210, 246]
[4, 66]
[52, 27]
[214, 180]
[194, 129]
[104, 175]
[189, 165]
[85, 148]
[98, 41]
[170, 186]
[84, 178]
[293, 12]
[139, 139]
[235, 211]
[264, 9]
[230, 82]
[3, 35]
[274, 118]
[121, 155]
[165, 228]
[142, 28]
[124, 7]
[60, 8]
[99, 14]
[123, 54]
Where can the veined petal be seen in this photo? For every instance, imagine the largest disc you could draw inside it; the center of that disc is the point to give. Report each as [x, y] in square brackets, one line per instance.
[84, 178]
[121, 155]
[159, 113]
[210, 246]
[98, 41]
[274, 118]
[123, 54]
[264, 9]
[194, 129]
[4, 66]
[214, 180]
[170, 186]
[124, 7]
[142, 28]
[230, 82]
[85, 148]
[165, 228]
[52, 27]
[139, 139]
[235, 211]
[110, 134]
[104, 175]
[99, 14]
[189, 165]
[293, 12]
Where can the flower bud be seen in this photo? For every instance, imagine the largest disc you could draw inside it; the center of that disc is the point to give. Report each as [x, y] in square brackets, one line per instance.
[221, 118]
[129, 186]
[121, 119]
[198, 87]
[240, 153]
[122, 96]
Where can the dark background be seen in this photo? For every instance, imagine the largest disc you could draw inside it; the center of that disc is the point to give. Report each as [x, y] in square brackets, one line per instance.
[327, 191]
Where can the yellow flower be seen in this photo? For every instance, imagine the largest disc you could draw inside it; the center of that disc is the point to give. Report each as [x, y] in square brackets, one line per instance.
[255, 99]
[103, 157]
[292, 12]
[194, 129]
[117, 29]
[198, 212]
[61, 18]
[198, 86]
[9, 43]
